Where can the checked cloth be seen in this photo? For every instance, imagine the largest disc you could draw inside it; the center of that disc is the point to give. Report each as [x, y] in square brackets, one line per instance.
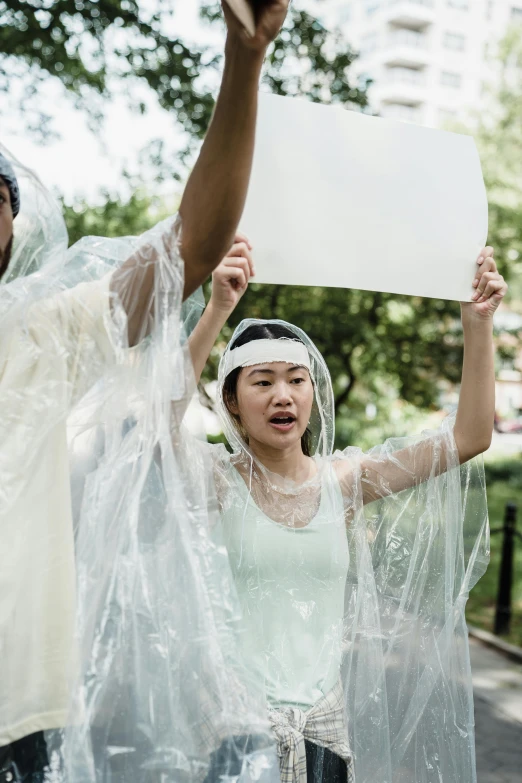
[323, 724]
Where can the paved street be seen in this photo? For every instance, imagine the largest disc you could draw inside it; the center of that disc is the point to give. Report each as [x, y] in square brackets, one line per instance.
[497, 683]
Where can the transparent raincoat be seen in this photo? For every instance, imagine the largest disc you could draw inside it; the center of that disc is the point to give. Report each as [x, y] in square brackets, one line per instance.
[117, 612]
[173, 612]
[352, 588]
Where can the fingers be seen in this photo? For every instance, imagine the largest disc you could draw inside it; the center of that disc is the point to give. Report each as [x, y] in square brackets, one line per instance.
[486, 272]
[487, 265]
[238, 275]
[240, 237]
[490, 283]
[240, 250]
[495, 289]
[235, 268]
[485, 253]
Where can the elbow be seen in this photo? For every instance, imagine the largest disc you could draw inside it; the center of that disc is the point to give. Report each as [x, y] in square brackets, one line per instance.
[472, 447]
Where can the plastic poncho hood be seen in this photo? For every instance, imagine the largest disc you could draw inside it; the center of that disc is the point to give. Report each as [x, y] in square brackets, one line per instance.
[322, 420]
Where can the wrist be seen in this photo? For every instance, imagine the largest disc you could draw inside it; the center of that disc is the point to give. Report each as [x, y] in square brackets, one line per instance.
[473, 320]
[218, 313]
[237, 54]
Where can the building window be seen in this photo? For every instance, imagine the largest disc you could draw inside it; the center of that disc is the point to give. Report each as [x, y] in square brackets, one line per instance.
[454, 41]
[401, 75]
[403, 36]
[516, 14]
[451, 79]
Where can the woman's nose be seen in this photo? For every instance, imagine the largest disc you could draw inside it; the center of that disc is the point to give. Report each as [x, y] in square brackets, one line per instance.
[282, 394]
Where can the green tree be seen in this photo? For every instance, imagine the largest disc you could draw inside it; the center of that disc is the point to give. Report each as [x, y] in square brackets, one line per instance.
[114, 218]
[499, 139]
[99, 48]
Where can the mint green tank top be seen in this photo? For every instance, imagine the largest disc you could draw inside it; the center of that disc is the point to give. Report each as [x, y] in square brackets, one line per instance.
[291, 587]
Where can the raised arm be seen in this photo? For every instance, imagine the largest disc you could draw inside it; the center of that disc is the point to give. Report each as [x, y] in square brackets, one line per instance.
[476, 411]
[229, 283]
[390, 473]
[215, 194]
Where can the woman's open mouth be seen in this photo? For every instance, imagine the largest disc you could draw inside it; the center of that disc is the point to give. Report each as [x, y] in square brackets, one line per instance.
[282, 423]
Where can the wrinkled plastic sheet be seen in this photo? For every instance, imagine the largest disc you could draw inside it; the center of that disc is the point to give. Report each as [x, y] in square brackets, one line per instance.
[119, 617]
[168, 576]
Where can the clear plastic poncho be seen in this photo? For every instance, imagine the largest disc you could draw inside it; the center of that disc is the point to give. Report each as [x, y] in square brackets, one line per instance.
[353, 588]
[118, 615]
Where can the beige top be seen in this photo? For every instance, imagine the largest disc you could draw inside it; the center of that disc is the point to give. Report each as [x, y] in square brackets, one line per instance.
[47, 361]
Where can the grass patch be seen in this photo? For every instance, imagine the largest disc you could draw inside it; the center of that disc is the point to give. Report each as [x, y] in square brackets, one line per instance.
[504, 485]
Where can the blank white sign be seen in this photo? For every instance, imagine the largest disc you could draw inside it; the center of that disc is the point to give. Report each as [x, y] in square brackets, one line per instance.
[338, 198]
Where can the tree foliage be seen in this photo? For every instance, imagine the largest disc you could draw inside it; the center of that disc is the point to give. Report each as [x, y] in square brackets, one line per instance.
[499, 138]
[98, 48]
[113, 218]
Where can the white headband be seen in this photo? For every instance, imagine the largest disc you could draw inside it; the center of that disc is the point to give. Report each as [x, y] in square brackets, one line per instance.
[266, 352]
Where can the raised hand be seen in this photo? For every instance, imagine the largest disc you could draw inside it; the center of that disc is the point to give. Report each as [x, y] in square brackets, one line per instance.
[489, 284]
[269, 16]
[230, 279]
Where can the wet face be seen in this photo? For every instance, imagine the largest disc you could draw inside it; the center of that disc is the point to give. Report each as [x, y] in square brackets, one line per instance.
[6, 226]
[274, 403]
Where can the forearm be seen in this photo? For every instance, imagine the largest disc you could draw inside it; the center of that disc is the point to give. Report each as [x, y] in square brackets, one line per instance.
[215, 194]
[204, 336]
[476, 410]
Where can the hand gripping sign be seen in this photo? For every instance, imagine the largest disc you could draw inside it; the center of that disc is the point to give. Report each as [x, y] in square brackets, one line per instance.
[244, 11]
[338, 198]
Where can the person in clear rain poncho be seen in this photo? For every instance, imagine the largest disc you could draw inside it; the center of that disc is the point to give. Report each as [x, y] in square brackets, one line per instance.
[102, 319]
[351, 569]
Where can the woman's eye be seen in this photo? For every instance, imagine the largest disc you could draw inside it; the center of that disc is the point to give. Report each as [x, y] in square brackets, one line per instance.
[263, 383]
[298, 380]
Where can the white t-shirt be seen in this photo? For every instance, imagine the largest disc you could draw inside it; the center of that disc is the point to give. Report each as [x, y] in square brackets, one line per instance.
[54, 353]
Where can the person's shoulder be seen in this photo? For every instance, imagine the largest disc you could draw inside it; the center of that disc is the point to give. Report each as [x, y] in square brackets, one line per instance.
[59, 302]
[346, 468]
[346, 461]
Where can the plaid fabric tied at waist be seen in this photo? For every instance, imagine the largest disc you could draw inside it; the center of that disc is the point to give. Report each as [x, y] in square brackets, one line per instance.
[323, 724]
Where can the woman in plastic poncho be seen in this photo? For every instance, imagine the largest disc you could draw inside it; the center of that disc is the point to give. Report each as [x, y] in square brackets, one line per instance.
[353, 622]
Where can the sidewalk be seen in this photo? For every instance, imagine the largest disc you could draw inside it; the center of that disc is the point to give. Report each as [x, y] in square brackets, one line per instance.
[497, 685]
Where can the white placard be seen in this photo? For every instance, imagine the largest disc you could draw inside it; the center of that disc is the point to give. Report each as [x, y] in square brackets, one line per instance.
[338, 198]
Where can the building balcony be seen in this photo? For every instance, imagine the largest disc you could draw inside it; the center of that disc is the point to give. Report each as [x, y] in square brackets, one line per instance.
[405, 94]
[415, 14]
[406, 48]
[401, 86]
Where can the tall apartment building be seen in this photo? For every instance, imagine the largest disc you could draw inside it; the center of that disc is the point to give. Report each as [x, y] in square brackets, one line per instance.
[428, 58]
